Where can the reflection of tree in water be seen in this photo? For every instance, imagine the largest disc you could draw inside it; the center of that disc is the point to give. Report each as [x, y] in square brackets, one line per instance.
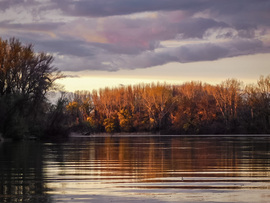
[21, 173]
[139, 159]
[156, 157]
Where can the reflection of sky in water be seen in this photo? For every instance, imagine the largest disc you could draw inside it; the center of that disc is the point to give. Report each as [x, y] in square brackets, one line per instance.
[188, 169]
[153, 169]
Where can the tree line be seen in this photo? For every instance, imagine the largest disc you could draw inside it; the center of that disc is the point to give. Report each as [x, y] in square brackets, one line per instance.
[26, 77]
[190, 108]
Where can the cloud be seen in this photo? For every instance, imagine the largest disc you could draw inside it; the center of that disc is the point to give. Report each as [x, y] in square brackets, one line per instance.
[6, 4]
[183, 54]
[30, 27]
[191, 53]
[67, 47]
[103, 8]
[250, 11]
[119, 34]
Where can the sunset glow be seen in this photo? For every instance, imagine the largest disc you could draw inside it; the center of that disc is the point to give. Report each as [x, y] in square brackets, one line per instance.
[125, 42]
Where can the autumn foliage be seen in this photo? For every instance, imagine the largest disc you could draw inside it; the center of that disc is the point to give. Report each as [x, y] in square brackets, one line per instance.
[26, 78]
[189, 108]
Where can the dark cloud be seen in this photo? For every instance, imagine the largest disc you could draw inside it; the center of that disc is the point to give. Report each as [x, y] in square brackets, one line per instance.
[243, 10]
[201, 52]
[196, 27]
[43, 26]
[192, 53]
[102, 35]
[7, 4]
[183, 54]
[103, 8]
[68, 47]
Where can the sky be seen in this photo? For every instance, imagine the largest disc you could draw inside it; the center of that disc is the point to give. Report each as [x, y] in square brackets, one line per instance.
[120, 42]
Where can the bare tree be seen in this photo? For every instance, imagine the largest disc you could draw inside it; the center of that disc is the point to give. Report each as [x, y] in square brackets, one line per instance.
[25, 78]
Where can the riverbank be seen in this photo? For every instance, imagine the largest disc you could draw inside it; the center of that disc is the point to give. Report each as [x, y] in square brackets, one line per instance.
[145, 134]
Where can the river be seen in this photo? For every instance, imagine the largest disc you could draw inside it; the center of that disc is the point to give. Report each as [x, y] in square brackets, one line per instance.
[137, 169]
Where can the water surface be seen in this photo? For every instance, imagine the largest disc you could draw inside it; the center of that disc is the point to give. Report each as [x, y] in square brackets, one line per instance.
[137, 169]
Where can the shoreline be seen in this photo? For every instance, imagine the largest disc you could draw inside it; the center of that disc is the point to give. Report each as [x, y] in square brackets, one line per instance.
[80, 135]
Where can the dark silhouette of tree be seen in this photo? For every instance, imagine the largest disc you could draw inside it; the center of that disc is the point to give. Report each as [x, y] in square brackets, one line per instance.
[25, 78]
[257, 106]
[24, 71]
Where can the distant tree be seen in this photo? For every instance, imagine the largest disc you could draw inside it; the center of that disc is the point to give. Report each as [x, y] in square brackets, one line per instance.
[257, 99]
[74, 111]
[264, 99]
[111, 124]
[141, 121]
[125, 120]
[194, 111]
[228, 99]
[57, 121]
[189, 108]
[159, 101]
